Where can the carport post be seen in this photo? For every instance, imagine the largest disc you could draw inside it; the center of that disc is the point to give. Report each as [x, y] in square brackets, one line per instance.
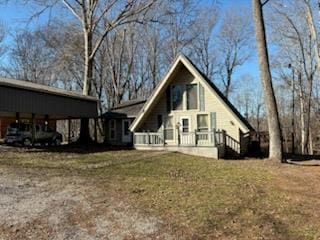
[95, 130]
[69, 130]
[33, 130]
[17, 117]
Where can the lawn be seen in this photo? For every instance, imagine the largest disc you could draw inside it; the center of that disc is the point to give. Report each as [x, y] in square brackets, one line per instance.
[194, 197]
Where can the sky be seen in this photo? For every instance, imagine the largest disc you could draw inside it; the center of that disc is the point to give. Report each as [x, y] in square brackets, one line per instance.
[15, 16]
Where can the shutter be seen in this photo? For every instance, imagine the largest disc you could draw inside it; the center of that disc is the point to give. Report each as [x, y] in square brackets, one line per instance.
[201, 97]
[168, 98]
[213, 118]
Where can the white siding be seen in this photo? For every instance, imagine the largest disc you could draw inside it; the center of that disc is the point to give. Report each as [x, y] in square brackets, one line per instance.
[224, 119]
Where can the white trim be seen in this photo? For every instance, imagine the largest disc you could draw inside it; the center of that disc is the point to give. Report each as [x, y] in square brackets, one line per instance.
[189, 123]
[162, 84]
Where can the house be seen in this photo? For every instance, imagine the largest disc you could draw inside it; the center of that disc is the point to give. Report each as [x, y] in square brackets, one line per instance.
[118, 120]
[187, 113]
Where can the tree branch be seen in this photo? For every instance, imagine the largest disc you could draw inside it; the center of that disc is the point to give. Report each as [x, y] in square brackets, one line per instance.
[264, 3]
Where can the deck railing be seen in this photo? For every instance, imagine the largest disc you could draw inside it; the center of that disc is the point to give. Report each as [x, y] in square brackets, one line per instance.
[196, 138]
[223, 139]
[148, 138]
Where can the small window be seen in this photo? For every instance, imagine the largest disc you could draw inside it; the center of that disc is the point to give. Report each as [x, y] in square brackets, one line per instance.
[177, 97]
[192, 96]
[185, 125]
[112, 129]
[168, 129]
[202, 120]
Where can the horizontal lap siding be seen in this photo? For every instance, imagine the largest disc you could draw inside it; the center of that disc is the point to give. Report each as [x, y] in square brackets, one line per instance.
[224, 117]
[27, 101]
[151, 123]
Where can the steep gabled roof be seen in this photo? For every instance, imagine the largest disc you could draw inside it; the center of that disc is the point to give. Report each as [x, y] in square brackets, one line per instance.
[245, 126]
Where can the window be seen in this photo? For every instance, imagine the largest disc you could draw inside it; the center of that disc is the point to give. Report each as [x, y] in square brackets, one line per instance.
[126, 131]
[112, 129]
[177, 97]
[168, 129]
[202, 120]
[192, 96]
[201, 98]
[159, 121]
[185, 125]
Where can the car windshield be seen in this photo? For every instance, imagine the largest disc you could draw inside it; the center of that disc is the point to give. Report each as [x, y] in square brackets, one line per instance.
[20, 127]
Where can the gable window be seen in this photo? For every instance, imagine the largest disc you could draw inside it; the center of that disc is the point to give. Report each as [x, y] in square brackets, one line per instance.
[112, 129]
[202, 120]
[192, 96]
[168, 128]
[177, 97]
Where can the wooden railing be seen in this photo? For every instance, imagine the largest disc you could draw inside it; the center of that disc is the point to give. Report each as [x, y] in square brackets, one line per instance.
[223, 139]
[148, 138]
[196, 138]
[233, 144]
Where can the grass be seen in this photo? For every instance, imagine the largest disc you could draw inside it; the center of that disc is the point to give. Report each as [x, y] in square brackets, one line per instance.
[198, 198]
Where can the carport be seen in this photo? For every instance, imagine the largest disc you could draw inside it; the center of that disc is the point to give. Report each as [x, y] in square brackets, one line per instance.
[26, 100]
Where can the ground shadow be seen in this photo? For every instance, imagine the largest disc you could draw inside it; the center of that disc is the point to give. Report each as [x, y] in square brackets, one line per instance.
[76, 148]
[302, 159]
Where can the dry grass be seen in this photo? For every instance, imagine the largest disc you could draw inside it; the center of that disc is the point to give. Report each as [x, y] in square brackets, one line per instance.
[196, 198]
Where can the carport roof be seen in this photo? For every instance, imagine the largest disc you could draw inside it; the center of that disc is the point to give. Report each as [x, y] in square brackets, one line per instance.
[9, 82]
[28, 98]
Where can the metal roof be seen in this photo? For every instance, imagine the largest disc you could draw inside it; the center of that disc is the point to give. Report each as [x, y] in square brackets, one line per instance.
[43, 88]
[28, 98]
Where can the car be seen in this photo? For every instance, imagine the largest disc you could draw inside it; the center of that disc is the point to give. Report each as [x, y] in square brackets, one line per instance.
[21, 133]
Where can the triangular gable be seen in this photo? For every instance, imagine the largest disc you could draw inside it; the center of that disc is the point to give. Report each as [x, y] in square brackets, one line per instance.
[244, 125]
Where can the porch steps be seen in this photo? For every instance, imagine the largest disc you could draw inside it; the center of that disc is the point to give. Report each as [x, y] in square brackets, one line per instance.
[231, 153]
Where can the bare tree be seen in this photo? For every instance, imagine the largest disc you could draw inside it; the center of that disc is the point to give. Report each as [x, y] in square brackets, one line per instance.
[275, 145]
[203, 48]
[299, 50]
[234, 45]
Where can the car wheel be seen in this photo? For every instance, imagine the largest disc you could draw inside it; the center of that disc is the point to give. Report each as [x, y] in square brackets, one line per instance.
[57, 142]
[27, 142]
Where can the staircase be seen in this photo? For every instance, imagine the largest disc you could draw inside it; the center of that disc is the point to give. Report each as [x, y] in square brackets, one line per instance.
[232, 148]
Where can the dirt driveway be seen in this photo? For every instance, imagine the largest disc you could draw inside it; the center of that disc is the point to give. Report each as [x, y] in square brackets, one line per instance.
[42, 204]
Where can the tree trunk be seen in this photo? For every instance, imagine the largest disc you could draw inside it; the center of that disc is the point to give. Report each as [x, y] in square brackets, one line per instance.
[303, 127]
[275, 145]
[87, 79]
[228, 84]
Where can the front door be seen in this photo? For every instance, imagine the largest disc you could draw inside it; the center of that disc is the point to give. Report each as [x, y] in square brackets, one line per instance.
[126, 134]
[185, 131]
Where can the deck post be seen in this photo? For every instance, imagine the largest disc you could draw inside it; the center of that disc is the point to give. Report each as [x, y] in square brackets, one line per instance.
[163, 135]
[195, 137]
[148, 137]
[69, 130]
[224, 138]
